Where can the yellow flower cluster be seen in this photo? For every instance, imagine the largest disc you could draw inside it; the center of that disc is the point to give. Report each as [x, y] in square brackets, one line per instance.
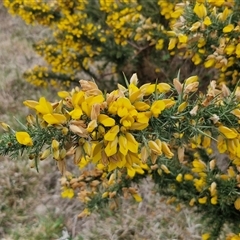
[205, 31]
[118, 137]
[40, 76]
[82, 34]
[109, 121]
[171, 10]
[122, 22]
[31, 11]
[209, 31]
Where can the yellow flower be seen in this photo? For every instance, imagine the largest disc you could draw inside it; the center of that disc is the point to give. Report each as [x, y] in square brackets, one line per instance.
[196, 59]
[77, 98]
[188, 177]
[201, 42]
[54, 118]
[141, 106]
[137, 197]
[132, 143]
[131, 172]
[44, 107]
[233, 145]
[55, 144]
[97, 152]
[147, 89]
[156, 147]
[112, 133]
[134, 164]
[138, 126]
[45, 154]
[209, 62]
[116, 161]
[123, 145]
[31, 103]
[195, 141]
[229, 49]
[213, 189]
[237, 203]
[157, 107]
[24, 138]
[207, 21]
[214, 200]
[199, 166]
[63, 94]
[159, 45]
[172, 43]
[226, 12]
[111, 147]
[166, 150]
[205, 236]
[62, 153]
[179, 177]
[195, 26]
[127, 121]
[236, 112]
[67, 193]
[202, 200]
[165, 168]
[105, 194]
[134, 93]
[92, 125]
[163, 87]
[55, 149]
[76, 113]
[228, 28]
[122, 107]
[182, 38]
[191, 79]
[105, 120]
[227, 132]
[88, 103]
[83, 162]
[217, 3]
[200, 10]
[182, 106]
[168, 102]
[237, 51]
[233, 237]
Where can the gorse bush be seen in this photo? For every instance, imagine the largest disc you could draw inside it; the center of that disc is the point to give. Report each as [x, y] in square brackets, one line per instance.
[105, 38]
[157, 130]
[209, 33]
[100, 38]
[187, 141]
[115, 36]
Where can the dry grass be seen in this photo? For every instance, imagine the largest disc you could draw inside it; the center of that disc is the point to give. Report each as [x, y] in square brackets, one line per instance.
[31, 207]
